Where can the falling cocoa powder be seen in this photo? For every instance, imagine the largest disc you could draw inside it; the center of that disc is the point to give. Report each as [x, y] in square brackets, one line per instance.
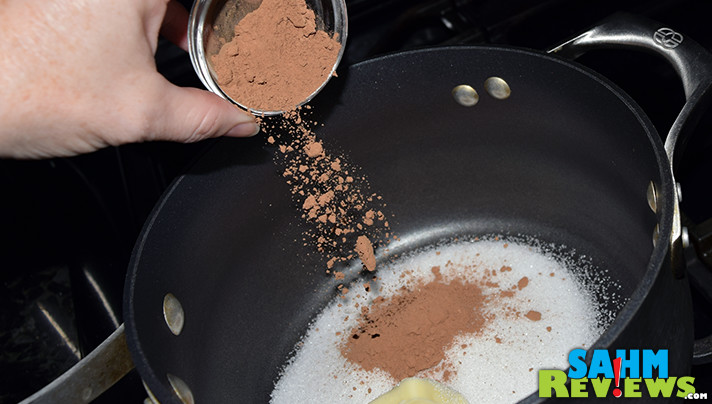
[410, 331]
[364, 249]
[313, 149]
[334, 199]
[277, 57]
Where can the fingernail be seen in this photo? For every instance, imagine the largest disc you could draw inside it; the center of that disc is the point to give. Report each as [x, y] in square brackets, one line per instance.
[244, 129]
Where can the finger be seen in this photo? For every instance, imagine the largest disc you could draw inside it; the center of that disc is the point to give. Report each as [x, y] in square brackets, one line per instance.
[175, 24]
[190, 115]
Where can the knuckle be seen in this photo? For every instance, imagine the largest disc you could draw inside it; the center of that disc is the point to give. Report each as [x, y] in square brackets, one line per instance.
[208, 125]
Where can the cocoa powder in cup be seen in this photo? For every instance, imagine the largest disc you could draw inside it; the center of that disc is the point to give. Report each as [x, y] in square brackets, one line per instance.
[277, 57]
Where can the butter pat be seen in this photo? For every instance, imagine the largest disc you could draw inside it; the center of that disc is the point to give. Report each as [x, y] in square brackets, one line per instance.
[420, 391]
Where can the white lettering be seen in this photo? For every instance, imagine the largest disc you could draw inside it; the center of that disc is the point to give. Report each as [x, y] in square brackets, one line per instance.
[696, 396]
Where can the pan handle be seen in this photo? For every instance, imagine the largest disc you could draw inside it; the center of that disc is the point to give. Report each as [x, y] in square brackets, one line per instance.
[693, 65]
[91, 376]
[691, 61]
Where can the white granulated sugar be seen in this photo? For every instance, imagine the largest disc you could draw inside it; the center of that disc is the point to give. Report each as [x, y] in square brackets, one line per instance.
[498, 365]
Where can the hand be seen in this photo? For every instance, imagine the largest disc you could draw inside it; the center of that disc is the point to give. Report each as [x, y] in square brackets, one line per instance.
[79, 75]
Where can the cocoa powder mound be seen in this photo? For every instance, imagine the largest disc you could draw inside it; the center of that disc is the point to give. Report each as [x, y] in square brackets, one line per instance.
[410, 331]
[277, 57]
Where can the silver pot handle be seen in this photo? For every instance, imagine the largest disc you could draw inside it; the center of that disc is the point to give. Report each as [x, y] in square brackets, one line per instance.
[622, 30]
[691, 62]
[693, 65]
[91, 376]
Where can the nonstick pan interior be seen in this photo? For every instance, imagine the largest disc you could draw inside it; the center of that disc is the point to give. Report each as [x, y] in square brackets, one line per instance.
[566, 158]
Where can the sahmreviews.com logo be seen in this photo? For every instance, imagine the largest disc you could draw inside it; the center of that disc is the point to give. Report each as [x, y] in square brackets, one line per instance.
[630, 374]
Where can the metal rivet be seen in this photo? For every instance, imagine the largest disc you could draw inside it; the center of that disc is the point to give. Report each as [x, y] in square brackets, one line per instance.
[685, 235]
[656, 235]
[465, 95]
[678, 189]
[652, 197]
[86, 394]
[497, 88]
[181, 389]
[173, 313]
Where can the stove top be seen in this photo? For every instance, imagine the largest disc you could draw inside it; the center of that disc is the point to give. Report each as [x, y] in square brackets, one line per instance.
[70, 224]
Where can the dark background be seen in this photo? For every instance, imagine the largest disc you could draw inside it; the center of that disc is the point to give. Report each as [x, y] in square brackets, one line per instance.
[68, 225]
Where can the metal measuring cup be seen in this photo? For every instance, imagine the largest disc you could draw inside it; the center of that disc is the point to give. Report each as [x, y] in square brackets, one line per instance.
[213, 20]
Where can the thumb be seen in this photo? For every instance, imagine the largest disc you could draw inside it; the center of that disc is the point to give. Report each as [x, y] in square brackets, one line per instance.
[190, 115]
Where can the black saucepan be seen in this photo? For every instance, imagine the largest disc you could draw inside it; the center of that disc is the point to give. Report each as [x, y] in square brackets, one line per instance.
[567, 158]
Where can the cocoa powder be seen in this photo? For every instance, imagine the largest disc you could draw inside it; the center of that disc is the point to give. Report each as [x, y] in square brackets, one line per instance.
[533, 315]
[410, 331]
[523, 283]
[346, 220]
[277, 57]
[364, 249]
